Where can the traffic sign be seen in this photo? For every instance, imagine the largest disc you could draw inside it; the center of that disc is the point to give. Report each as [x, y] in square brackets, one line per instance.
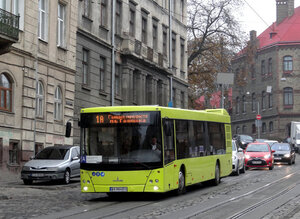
[258, 117]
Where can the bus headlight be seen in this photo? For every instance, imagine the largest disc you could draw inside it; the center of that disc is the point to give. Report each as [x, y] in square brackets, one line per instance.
[155, 188]
[85, 188]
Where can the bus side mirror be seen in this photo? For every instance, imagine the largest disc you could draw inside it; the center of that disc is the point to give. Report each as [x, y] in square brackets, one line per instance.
[68, 129]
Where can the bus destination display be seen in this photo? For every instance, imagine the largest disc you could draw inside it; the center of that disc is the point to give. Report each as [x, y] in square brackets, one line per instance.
[129, 118]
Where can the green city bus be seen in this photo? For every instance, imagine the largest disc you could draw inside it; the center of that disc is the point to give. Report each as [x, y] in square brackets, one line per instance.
[152, 148]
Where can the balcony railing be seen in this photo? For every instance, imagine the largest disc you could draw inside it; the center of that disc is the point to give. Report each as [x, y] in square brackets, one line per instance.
[9, 24]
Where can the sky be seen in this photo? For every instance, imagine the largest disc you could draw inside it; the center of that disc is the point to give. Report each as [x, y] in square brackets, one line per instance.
[266, 9]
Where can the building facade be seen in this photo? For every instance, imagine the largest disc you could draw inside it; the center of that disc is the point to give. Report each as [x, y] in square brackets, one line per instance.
[266, 78]
[149, 58]
[37, 79]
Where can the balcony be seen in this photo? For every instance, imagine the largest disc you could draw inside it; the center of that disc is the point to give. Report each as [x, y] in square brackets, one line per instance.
[9, 30]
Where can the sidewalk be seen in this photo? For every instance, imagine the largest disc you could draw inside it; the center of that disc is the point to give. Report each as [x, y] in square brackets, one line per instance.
[7, 178]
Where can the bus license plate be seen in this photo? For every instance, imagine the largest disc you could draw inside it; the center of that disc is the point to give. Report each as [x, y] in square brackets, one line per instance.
[118, 189]
[256, 162]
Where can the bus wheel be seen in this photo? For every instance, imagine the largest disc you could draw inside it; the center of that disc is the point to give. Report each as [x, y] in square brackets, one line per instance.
[217, 180]
[181, 183]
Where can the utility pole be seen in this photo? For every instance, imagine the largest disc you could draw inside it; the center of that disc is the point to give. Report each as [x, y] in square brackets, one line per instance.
[113, 52]
[170, 53]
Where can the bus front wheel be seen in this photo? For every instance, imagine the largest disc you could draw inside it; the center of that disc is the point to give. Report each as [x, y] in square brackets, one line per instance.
[181, 183]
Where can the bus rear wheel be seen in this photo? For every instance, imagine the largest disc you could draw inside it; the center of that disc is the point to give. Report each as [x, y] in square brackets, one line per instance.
[181, 183]
[217, 178]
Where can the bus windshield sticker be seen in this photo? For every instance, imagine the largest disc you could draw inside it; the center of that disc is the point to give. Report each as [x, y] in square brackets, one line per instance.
[122, 119]
[93, 159]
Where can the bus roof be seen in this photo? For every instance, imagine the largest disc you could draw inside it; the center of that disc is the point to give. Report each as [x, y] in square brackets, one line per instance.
[217, 115]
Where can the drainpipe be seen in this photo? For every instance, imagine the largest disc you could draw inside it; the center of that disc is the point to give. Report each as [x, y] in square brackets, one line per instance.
[113, 52]
[170, 53]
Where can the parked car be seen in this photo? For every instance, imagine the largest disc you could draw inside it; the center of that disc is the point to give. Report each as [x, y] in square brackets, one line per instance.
[243, 140]
[284, 153]
[238, 159]
[53, 163]
[259, 155]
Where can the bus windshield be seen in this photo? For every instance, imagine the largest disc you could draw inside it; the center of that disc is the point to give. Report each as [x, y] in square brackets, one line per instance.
[111, 142]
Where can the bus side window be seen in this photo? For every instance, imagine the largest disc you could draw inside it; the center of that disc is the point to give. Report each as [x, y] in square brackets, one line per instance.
[169, 149]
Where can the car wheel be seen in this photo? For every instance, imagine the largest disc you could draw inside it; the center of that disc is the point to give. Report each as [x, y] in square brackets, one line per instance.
[181, 183]
[237, 171]
[271, 167]
[217, 178]
[243, 170]
[27, 181]
[67, 177]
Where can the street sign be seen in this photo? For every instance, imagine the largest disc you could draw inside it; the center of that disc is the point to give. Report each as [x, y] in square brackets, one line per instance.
[258, 117]
[258, 123]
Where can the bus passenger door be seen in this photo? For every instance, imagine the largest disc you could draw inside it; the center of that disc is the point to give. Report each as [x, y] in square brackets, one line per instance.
[169, 154]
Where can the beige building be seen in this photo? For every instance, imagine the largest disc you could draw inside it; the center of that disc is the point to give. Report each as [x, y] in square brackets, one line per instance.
[37, 78]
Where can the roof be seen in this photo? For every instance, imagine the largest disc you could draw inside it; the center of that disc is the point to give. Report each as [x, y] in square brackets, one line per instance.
[286, 32]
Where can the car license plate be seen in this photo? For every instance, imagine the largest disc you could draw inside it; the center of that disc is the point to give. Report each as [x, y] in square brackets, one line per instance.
[118, 189]
[38, 175]
[277, 158]
[256, 162]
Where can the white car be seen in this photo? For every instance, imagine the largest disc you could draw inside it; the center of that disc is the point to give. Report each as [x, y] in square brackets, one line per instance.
[238, 159]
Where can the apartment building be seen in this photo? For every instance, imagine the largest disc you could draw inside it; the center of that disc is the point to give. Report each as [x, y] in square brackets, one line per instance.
[131, 52]
[37, 77]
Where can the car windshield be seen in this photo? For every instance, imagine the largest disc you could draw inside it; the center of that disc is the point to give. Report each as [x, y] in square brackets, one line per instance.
[53, 154]
[281, 147]
[257, 148]
[246, 138]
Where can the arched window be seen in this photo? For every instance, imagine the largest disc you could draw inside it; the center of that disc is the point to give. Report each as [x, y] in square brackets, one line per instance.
[253, 129]
[244, 129]
[288, 96]
[237, 131]
[263, 68]
[58, 104]
[5, 93]
[263, 100]
[271, 128]
[287, 63]
[253, 103]
[244, 103]
[39, 110]
[237, 105]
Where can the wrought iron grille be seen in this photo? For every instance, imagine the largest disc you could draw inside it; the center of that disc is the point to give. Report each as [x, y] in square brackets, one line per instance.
[9, 24]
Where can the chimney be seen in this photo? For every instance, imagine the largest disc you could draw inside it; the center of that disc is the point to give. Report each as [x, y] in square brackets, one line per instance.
[252, 35]
[284, 8]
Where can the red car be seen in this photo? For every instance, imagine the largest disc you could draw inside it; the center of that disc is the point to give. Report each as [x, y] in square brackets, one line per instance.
[259, 155]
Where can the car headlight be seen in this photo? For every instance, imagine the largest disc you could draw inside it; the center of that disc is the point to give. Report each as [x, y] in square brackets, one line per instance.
[287, 155]
[52, 168]
[267, 156]
[26, 168]
[247, 156]
[233, 157]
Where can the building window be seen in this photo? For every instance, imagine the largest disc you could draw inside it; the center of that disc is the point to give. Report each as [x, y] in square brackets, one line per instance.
[174, 97]
[86, 8]
[61, 25]
[253, 102]
[263, 68]
[58, 104]
[1, 151]
[160, 93]
[287, 63]
[85, 66]
[132, 19]
[103, 11]
[144, 27]
[102, 72]
[237, 130]
[43, 25]
[182, 99]
[264, 128]
[271, 128]
[182, 10]
[173, 49]
[287, 96]
[5, 93]
[182, 54]
[14, 153]
[149, 91]
[270, 100]
[118, 80]
[165, 40]
[244, 103]
[244, 129]
[252, 70]
[263, 100]
[270, 66]
[154, 33]
[118, 18]
[237, 105]
[134, 87]
[39, 100]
